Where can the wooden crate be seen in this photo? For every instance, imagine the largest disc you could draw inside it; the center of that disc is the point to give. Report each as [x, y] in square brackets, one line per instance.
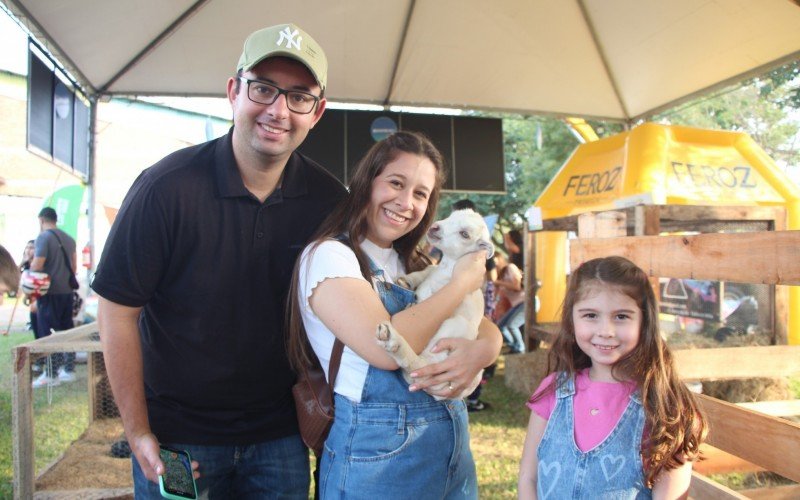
[84, 338]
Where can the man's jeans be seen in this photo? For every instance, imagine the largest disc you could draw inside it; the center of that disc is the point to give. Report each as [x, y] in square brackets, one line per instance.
[274, 469]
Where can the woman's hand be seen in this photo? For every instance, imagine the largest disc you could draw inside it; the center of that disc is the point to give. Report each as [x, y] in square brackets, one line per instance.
[465, 360]
[470, 269]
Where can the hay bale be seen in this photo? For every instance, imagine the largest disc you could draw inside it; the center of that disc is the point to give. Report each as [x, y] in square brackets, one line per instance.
[748, 390]
[524, 372]
[88, 462]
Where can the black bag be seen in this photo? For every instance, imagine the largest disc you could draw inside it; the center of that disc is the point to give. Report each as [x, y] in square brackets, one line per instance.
[73, 280]
[313, 399]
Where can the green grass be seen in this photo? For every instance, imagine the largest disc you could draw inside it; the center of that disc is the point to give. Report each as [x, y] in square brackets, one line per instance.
[58, 422]
[497, 435]
[794, 386]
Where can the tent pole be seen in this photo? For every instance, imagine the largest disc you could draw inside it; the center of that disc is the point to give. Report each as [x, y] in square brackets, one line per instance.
[93, 100]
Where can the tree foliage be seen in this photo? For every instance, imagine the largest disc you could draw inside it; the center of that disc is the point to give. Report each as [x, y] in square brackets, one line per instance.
[764, 107]
[783, 81]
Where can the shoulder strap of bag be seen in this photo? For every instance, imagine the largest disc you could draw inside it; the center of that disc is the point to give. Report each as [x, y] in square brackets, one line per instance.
[333, 366]
[63, 252]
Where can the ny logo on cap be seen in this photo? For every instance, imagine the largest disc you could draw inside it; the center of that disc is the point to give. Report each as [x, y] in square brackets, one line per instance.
[289, 35]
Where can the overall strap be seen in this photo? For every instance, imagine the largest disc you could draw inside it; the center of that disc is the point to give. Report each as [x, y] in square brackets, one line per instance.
[63, 252]
[345, 240]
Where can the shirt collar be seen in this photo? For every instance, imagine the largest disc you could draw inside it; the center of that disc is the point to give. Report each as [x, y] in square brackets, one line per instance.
[230, 184]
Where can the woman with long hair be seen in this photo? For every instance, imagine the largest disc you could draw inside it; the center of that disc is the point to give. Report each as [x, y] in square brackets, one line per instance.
[343, 288]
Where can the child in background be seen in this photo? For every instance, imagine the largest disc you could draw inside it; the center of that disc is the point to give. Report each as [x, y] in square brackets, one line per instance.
[613, 420]
[25, 265]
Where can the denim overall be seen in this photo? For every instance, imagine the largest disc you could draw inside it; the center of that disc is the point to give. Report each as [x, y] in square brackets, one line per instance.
[611, 470]
[397, 444]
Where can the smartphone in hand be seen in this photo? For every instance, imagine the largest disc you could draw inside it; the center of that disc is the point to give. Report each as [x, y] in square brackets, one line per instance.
[177, 481]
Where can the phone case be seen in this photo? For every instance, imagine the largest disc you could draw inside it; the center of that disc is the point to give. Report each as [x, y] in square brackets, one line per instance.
[181, 487]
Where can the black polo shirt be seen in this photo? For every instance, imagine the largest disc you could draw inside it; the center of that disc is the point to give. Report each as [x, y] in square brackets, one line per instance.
[211, 265]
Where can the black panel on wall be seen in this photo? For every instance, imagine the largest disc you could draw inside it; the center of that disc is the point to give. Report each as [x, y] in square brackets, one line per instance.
[40, 105]
[478, 154]
[439, 130]
[58, 120]
[472, 147]
[80, 143]
[63, 123]
[359, 134]
[325, 142]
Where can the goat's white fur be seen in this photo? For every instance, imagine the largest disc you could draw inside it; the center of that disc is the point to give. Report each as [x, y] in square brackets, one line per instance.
[464, 231]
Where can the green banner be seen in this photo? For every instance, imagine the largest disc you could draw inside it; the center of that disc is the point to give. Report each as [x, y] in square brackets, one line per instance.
[67, 204]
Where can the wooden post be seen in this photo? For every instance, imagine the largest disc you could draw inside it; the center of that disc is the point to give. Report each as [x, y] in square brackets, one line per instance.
[91, 381]
[22, 424]
[529, 285]
[778, 296]
[648, 223]
[647, 220]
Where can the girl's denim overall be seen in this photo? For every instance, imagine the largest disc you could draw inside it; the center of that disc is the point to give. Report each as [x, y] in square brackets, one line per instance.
[397, 444]
[611, 470]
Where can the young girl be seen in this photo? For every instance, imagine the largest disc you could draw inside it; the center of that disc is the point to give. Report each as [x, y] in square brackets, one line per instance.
[613, 420]
[388, 440]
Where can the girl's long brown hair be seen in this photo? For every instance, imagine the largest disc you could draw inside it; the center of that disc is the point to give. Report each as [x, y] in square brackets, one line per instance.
[675, 422]
[349, 217]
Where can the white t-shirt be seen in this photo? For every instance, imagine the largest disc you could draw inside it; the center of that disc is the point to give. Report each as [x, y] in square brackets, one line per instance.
[332, 259]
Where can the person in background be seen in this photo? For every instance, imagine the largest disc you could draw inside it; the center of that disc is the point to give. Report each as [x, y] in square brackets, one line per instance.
[512, 240]
[474, 402]
[25, 265]
[54, 309]
[30, 301]
[509, 287]
[194, 277]
[9, 273]
[613, 397]
[501, 305]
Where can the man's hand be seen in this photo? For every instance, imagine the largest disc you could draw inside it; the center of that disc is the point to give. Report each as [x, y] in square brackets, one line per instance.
[147, 452]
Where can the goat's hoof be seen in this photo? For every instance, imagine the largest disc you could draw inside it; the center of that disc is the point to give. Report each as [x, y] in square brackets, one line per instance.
[403, 282]
[386, 339]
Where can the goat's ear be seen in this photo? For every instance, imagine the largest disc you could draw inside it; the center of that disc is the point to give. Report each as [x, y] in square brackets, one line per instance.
[488, 246]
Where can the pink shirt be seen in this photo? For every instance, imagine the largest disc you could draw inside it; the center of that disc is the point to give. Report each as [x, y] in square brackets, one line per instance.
[597, 407]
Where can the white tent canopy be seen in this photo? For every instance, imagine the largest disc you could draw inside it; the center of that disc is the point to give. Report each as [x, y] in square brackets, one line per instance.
[613, 59]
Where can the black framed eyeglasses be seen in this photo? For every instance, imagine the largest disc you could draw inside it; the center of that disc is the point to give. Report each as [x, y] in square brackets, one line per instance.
[265, 93]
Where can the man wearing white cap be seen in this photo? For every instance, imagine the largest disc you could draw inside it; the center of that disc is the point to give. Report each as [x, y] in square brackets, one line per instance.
[194, 277]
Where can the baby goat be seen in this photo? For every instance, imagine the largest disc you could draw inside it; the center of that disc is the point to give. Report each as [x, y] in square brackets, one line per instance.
[463, 232]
